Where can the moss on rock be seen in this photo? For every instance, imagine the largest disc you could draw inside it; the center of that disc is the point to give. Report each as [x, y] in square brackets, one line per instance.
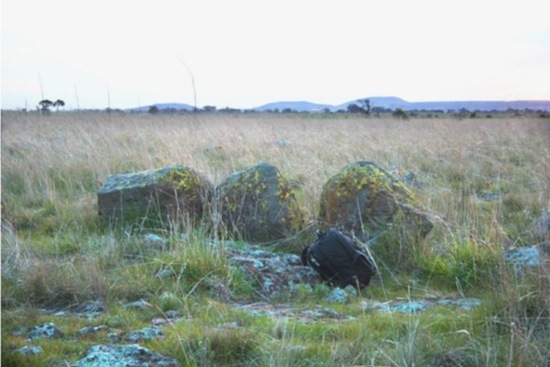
[258, 205]
[364, 199]
[168, 196]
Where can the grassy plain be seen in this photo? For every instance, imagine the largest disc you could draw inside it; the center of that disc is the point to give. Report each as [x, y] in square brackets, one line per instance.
[485, 180]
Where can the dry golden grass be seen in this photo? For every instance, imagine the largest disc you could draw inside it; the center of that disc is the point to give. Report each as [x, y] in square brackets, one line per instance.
[64, 159]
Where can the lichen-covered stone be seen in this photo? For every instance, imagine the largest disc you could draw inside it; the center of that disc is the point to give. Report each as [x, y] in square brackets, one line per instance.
[258, 205]
[158, 198]
[365, 200]
[123, 356]
[144, 334]
[47, 330]
[530, 257]
[273, 274]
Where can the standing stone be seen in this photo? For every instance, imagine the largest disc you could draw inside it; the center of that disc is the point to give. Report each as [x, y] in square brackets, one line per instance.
[158, 198]
[365, 200]
[258, 205]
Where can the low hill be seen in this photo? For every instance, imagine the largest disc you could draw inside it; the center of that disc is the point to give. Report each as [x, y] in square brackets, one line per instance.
[301, 106]
[163, 106]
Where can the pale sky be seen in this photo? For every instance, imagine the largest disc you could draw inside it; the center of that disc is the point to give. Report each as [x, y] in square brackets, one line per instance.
[243, 54]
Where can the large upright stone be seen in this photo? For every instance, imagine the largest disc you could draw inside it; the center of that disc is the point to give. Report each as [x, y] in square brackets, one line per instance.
[157, 198]
[258, 205]
[365, 200]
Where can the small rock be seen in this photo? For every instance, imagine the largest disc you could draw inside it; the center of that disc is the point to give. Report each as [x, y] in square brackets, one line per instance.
[114, 337]
[172, 314]
[464, 303]
[139, 305]
[528, 257]
[155, 240]
[338, 295]
[144, 334]
[47, 330]
[408, 306]
[165, 273]
[159, 321]
[30, 350]
[93, 329]
[412, 306]
[90, 307]
[351, 291]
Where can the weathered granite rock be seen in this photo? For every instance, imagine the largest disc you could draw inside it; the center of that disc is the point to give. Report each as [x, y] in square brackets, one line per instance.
[123, 356]
[258, 205]
[365, 200]
[158, 198]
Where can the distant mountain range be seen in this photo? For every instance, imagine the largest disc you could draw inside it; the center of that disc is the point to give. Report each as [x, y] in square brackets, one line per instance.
[392, 103]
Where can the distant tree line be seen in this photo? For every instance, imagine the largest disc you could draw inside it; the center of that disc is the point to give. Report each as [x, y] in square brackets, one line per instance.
[45, 105]
[362, 107]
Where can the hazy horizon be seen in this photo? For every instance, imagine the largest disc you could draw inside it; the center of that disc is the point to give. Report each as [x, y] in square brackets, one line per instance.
[241, 54]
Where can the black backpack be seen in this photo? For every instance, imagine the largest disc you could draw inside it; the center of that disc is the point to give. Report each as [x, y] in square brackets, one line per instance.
[339, 260]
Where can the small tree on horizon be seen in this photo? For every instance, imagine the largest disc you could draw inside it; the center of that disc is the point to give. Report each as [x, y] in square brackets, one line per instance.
[365, 105]
[58, 103]
[45, 105]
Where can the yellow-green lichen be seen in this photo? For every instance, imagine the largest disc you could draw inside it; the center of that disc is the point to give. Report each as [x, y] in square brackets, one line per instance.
[185, 180]
[364, 198]
[258, 203]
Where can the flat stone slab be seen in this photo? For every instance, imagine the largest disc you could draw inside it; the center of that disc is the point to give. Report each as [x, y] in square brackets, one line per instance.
[130, 355]
[411, 306]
